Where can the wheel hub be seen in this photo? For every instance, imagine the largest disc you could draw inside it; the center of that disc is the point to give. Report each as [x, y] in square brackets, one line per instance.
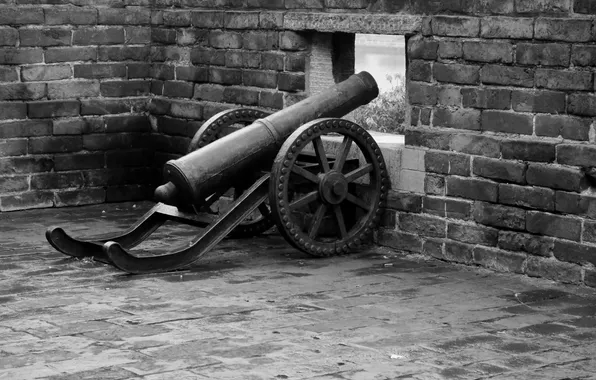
[333, 187]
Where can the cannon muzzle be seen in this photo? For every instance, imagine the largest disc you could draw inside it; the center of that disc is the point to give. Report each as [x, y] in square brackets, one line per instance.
[227, 161]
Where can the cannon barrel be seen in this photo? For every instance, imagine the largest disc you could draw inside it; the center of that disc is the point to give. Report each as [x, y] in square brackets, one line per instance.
[222, 163]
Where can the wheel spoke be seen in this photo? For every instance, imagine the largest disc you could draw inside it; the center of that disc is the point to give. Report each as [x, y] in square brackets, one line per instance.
[321, 155]
[346, 144]
[339, 215]
[358, 202]
[305, 174]
[357, 173]
[317, 220]
[308, 198]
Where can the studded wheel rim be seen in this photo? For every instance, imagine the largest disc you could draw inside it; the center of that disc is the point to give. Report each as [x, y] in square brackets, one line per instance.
[336, 207]
[215, 128]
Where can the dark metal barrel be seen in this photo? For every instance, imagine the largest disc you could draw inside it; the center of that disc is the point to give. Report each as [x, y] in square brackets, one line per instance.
[222, 163]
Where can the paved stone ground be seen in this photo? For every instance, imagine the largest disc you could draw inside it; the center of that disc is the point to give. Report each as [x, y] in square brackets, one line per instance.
[257, 309]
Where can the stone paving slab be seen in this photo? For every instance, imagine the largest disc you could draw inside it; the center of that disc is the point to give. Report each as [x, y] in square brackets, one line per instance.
[258, 309]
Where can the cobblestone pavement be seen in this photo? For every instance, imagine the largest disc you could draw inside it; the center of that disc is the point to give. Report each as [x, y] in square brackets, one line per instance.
[257, 309]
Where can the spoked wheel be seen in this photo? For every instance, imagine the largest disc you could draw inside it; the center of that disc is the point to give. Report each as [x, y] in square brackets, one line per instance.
[331, 205]
[216, 127]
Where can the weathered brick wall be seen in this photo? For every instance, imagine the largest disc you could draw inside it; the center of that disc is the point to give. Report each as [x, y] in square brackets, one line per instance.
[73, 98]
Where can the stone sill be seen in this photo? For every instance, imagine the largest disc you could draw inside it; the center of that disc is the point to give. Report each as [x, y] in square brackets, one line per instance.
[354, 23]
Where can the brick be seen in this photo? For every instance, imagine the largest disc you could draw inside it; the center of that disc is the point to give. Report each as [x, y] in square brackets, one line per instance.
[54, 144]
[241, 95]
[241, 20]
[422, 93]
[458, 209]
[271, 20]
[507, 122]
[13, 147]
[271, 100]
[472, 188]
[98, 36]
[553, 270]
[422, 49]
[12, 110]
[543, 6]
[190, 37]
[590, 276]
[80, 197]
[14, 184]
[263, 79]
[127, 123]
[538, 101]
[210, 92]
[124, 53]
[124, 16]
[27, 200]
[127, 158]
[573, 203]
[8, 74]
[422, 225]
[583, 55]
[486, 51]
[434, 184]
[68, 126]
[434, 248]
[449, 96]
[70, 54]
[450, 49]
[584, 6]
[564, 79]
[260, 40]
[507, 75]
[400, 241]
[102, 141]
[499, 216]
[434, 206]
[419, 70]
[404, 202]
[186, 109]
[562, 29]
[291, 82]
[45, 72]
[456, 73]
[162, 35]
[162, 72]
[293, 62]
[532, 244]
[589, 233]
[458, 252]
[486, 98]
[568, 127]
[25, 165]
[103, 70]
[577, 155]
[104, 106]
[553, 225]
[499, 169]
[225, 76]
[53, 108]
[476, 145]
[125, 88]
[208, 57]
[177, 18]
[463, 118]
[25, 128]
[455, 26]
[547, 54]
[507, 27]
[225, 40]
[293, 41]
[8, 36]
[20, 56]
[22, 91]
[473, 234]
[447, 163]
[581, 104]
[178, 89]
[428, 139]
[57, 180]
[12, 15]
[574, 252]
[530, 197]
[70, 15]
[207, 19]
[501, 261]
[536, 151]
[45, 37]
[75, 89]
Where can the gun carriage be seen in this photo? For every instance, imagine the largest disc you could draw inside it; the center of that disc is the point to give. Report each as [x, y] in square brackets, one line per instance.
[320, 179]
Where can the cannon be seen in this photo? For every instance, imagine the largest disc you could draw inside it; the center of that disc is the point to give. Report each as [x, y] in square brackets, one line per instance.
[320, 179]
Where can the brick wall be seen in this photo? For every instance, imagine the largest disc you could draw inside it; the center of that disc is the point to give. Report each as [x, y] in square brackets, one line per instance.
[74, 82]
[498, 169]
